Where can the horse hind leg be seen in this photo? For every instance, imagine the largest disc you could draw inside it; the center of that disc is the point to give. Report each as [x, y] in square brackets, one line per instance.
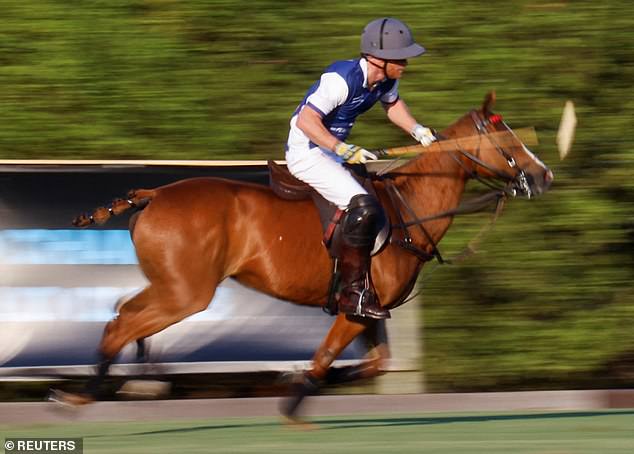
[91, 389]
[150, 311]
[142, 344]
[142, 350]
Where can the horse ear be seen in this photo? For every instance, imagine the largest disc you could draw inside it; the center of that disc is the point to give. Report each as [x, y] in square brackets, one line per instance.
[489, 103]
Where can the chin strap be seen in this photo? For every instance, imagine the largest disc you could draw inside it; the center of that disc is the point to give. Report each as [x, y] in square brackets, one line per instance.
[382, 68]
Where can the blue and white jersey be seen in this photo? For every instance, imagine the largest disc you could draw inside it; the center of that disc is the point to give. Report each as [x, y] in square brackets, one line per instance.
[340, 96]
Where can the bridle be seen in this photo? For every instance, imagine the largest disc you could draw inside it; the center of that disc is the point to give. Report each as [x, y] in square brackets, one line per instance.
[512, 184]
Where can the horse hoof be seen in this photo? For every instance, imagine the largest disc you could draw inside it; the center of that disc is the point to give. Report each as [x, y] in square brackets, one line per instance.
[69, 399]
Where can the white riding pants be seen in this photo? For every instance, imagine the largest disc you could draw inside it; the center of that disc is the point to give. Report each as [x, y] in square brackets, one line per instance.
[321, 169]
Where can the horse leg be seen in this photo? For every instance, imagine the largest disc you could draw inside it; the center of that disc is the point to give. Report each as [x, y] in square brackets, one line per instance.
[159, 308]
[91, 390]
[342, 332]
[150, 311]
[373, 366]
[142, 355]
[142, 347]
[142, 350]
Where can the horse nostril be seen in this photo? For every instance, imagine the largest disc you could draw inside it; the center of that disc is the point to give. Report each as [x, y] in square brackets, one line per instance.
[549, 177]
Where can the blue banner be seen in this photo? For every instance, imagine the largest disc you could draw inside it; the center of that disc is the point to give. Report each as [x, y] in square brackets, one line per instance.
[59, 286]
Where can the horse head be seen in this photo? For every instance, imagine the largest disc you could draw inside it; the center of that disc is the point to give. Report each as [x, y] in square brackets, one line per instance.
[499, 153]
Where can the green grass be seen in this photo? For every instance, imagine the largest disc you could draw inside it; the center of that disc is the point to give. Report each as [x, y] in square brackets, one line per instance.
[596, 432]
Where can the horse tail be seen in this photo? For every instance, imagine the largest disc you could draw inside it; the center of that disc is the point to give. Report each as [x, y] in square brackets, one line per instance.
[137, 198]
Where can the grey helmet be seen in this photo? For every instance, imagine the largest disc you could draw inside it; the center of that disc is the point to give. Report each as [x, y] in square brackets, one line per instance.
[389, 39]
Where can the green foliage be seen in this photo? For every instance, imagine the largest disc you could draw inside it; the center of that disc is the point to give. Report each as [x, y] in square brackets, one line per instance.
[547, 303]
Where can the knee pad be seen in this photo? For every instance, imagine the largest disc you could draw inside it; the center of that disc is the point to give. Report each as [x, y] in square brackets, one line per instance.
[363, 220]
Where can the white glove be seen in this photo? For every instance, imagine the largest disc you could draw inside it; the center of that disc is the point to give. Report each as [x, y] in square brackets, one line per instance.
[354, 154]
[424, 135]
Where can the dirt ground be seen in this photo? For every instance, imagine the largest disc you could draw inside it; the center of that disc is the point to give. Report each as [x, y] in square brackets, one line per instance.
[154, 410]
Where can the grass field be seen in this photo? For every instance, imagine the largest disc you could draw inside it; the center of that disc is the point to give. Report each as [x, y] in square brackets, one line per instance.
[595, 432]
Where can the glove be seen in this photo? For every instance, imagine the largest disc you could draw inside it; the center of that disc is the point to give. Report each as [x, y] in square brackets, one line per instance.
[424, 135]
[354, 154]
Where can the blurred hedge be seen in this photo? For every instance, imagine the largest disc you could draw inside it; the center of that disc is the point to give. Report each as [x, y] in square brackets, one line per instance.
[549, 300]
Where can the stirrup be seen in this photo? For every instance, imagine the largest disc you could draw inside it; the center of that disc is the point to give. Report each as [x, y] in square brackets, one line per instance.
[365, 305]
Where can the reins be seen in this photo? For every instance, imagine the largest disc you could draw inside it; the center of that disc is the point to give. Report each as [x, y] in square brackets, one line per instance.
[469, 250]
[472, 206]
[498, 194]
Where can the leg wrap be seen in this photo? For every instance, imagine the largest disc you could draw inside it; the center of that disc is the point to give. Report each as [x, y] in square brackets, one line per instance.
[93, 386]
[345, 374]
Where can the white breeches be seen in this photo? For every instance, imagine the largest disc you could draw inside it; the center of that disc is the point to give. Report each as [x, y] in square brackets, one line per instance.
[321, 169]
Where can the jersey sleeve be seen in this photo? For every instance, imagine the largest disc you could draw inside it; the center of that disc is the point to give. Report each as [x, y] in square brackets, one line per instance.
[330, 94]
[391, 96]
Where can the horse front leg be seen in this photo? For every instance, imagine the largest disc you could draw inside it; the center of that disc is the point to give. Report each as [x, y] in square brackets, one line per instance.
[343, 331]
[374, 364]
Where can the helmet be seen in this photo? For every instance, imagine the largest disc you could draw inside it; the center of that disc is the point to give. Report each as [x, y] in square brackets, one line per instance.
[389, 39]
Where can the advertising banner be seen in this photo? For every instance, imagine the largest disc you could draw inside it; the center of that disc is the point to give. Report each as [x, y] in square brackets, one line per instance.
[59, 284]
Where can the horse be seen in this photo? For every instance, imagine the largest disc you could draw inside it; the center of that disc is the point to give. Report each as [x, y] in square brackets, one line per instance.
[192, 234]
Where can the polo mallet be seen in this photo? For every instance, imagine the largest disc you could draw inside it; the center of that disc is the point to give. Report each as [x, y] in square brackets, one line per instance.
[527, 136]
[566, 132]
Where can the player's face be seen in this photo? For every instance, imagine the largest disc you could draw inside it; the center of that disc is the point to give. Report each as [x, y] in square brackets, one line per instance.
[395, 68]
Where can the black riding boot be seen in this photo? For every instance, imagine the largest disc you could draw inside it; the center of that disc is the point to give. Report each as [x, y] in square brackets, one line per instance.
[357, 296]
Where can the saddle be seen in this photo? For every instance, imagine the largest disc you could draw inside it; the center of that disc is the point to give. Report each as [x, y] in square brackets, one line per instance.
[287, 187]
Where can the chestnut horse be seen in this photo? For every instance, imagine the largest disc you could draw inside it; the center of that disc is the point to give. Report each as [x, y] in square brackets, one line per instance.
[193, 234]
